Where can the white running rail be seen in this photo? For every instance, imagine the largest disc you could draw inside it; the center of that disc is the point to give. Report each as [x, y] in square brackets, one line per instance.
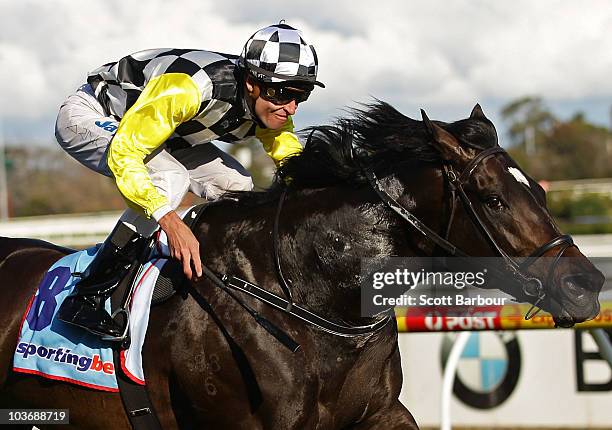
[66, 230]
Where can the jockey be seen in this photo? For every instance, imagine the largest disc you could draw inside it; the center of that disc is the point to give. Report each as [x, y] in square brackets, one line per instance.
[148, 120]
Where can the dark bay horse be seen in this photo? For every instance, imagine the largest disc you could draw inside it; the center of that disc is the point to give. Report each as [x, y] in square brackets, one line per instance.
[332, 219]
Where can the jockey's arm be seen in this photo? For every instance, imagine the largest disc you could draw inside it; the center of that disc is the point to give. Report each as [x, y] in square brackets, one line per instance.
[166, 102]
[279, 143]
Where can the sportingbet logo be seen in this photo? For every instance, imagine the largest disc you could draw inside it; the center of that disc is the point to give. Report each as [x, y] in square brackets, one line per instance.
[80, 362]
[107, 125]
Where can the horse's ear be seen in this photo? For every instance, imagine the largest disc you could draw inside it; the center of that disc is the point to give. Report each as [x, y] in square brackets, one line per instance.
[477, 112]
[445, 143]
[427, 122]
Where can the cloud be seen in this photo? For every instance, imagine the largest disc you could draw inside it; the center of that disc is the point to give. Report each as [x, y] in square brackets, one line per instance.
[443, 56]
[344, 17]
[21, 74]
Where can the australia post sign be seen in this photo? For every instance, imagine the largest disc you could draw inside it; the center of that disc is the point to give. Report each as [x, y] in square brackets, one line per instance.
[507, 317]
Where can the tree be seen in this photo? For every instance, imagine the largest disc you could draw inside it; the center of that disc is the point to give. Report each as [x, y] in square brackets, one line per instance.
[529, 119]
[551, 149]
[576, 149]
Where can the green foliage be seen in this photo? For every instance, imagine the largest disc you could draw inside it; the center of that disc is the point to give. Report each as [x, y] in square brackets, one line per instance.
[551, 149]
[526, 115]
[588, 213]
[9, 164]
[574, 228]
[47, 181]
[567, 205]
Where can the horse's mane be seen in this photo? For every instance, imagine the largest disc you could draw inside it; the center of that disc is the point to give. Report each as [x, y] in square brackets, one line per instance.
[379, 136]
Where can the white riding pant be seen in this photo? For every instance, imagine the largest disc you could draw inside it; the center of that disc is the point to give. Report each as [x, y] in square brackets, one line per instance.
[84, 131]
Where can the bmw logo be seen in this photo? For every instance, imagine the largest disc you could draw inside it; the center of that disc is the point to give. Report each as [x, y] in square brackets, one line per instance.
[488, 370]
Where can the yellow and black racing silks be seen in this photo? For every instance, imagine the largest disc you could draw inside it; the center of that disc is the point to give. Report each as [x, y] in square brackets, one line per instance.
[181, 98]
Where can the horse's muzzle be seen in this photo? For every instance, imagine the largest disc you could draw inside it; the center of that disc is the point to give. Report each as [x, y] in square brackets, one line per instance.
[578, 297]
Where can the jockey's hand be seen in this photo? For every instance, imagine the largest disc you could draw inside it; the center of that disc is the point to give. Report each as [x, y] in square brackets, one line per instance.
[183, 244]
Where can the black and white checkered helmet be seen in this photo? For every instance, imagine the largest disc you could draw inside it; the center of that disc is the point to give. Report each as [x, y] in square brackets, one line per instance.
[279, 53]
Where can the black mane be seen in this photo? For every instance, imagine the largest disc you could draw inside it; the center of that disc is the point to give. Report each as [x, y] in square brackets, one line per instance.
[379, 136]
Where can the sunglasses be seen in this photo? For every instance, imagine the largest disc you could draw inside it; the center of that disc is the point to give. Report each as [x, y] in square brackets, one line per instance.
[280, 94]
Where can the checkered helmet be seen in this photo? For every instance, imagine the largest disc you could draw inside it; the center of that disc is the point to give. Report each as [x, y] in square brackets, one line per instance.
[279, 53]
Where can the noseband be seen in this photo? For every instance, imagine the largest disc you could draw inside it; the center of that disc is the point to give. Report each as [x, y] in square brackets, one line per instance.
[531, 285]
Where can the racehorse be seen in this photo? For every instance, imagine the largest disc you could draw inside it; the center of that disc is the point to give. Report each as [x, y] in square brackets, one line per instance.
[353, 193]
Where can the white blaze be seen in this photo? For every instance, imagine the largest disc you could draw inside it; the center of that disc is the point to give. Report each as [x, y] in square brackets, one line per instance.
[518, 175]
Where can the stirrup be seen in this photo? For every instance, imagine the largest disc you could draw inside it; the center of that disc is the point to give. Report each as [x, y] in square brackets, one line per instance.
[125, 334]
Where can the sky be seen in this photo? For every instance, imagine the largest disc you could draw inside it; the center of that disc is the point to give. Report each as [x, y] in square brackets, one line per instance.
[441, 56]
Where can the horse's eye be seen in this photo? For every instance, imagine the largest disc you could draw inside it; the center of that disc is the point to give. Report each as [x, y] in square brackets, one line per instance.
[494, 202]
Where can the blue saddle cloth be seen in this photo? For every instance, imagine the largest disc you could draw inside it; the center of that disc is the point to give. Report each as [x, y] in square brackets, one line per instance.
[54, 349]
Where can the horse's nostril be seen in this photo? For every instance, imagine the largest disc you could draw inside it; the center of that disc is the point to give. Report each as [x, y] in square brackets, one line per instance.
[592, 281]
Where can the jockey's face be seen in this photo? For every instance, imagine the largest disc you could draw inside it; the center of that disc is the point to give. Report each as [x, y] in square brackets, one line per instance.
[274, 116]
[274, 103]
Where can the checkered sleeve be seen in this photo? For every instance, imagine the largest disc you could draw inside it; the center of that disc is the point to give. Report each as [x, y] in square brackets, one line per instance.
[279, 143]
[166, 101]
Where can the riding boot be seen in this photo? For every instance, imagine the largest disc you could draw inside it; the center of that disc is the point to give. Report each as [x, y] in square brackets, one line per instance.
[85, 307]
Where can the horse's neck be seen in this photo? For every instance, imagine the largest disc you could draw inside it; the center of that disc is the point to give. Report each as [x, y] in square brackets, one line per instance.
[334, 231]
[324, 237]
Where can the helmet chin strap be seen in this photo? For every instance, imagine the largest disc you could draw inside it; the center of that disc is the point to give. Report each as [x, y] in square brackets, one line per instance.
[248, 100]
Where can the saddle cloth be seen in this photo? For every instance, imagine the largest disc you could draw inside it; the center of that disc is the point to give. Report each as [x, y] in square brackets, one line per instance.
[56, 350]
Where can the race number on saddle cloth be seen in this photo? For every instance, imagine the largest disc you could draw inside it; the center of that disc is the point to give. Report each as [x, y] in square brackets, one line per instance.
[56, 350]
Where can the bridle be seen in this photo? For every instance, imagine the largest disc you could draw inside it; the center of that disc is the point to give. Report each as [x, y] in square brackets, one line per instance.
[532, 286]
